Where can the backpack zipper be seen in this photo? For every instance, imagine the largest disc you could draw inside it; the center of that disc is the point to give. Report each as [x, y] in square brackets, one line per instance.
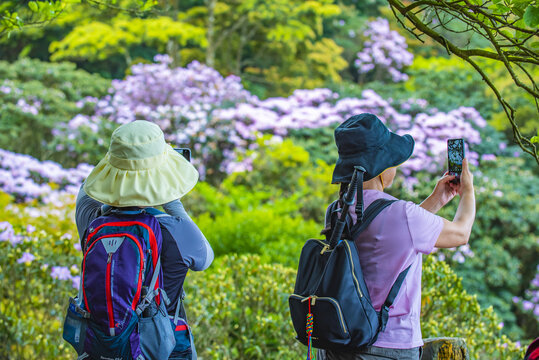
[353, 271]
[108, 295]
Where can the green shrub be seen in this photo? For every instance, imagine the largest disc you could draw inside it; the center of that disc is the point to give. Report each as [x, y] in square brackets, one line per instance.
[447, 310]
[254, 231]
[239, 310]
[32, 304]
[287, 170]
[37, 98]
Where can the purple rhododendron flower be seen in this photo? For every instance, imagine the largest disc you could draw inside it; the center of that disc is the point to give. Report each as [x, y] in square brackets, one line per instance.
[60, 273]
[26, 258]
[385, 49]
[75, 281]
[488, 157]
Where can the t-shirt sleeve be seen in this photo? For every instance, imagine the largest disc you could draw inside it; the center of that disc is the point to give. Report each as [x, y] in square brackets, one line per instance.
[192, 244]
[424, 227]
[86, 210]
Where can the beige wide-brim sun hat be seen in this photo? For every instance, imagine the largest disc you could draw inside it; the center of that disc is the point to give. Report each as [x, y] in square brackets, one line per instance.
[140, 169]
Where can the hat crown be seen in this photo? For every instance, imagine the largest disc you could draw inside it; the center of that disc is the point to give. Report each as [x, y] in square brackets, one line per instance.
[137, 140]
[359, 133]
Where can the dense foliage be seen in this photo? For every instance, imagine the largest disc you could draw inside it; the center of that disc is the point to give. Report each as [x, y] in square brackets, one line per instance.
[255, 89]
[36, 98]
[233, 315]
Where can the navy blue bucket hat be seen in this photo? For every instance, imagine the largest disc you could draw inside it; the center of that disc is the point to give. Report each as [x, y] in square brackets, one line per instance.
[363, 140]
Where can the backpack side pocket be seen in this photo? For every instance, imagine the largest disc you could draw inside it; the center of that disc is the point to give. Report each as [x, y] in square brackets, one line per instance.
[75, 325]
[156, 335]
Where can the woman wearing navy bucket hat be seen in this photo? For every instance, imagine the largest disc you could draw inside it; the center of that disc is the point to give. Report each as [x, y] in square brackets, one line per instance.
[400, 234]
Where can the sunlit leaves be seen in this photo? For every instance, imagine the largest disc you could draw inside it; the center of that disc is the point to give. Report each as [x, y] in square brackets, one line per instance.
[99, 41]
[531, 16]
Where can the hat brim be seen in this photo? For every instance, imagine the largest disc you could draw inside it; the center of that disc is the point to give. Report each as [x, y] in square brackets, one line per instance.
[396, 151]
[171, 179]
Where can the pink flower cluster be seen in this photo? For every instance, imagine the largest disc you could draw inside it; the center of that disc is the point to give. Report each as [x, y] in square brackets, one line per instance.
[321, 107]
[384, 51]
[220, 120]
[28, 178]
[8, 234]
[64, 273]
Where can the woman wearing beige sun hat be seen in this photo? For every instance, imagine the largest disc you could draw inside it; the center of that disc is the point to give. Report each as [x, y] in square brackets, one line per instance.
[141, 170]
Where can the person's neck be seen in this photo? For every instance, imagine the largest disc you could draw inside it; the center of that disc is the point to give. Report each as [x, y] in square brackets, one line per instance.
[373, 184]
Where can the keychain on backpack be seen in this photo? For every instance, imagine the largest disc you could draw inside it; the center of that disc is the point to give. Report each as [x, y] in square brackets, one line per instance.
[309, 329]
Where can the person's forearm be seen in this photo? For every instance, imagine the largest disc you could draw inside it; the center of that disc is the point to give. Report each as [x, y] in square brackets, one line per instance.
[465, 214]
[431, 204]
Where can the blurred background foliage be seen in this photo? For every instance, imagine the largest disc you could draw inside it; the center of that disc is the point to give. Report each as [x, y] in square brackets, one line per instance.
[256, 218]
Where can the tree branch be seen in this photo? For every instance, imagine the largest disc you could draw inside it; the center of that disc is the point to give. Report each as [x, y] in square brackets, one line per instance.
[509, 51]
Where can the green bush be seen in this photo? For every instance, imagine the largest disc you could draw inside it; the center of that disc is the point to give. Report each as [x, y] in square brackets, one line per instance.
[259, 231]
[36, 98]
[287, 170]
[239, 310]
[32, 304]
[447, 310]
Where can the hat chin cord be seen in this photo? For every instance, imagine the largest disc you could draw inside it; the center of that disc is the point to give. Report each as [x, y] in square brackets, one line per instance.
[382, 181]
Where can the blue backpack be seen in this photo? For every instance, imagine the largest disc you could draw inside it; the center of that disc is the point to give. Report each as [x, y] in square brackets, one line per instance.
[120, 312]
[331, 307]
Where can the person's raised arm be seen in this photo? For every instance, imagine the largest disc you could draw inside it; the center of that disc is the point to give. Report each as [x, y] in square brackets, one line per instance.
[457, 232]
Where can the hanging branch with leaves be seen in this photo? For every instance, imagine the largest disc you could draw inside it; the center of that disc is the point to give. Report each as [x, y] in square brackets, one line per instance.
[18, 14]
[509, 26]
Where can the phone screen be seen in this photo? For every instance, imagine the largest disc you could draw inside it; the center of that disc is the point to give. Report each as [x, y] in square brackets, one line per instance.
[455, 154]
[185, 152]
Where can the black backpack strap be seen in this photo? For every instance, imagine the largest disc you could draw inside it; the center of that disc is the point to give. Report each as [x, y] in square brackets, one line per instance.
[331, 219]
[384, 311]
[370, 213]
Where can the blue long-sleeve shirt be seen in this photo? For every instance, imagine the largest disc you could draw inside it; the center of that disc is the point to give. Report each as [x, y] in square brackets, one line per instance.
[184, 246]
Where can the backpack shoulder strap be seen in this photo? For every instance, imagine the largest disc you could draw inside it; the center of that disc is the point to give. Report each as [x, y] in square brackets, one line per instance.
[152, 292]
[368, 216]
[384, 311]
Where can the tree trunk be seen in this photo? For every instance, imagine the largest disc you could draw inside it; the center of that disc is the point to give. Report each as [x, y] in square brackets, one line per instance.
[210, 50]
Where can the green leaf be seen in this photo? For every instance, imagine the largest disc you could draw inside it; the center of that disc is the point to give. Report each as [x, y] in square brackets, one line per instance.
[531, 16]
[535, 139]
[147, 5]
[33, 6]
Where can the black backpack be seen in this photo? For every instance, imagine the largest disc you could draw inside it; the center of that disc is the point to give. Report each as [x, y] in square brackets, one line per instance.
[331, 307]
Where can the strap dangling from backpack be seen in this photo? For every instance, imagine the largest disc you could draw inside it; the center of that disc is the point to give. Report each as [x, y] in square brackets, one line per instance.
[309, 329]
[359, 194]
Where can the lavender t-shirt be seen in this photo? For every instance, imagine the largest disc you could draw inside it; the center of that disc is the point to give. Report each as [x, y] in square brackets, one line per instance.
[396, 238]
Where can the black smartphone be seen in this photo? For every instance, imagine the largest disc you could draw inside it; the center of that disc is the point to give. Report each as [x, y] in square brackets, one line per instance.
[185, 152]
[455, 154]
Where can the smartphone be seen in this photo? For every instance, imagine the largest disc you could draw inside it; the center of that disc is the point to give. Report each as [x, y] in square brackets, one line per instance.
[455, 154]
[185, 152]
